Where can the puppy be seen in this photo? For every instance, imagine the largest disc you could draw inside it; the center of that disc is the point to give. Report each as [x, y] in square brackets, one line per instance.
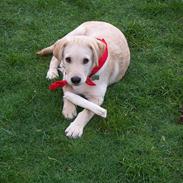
[78, 53]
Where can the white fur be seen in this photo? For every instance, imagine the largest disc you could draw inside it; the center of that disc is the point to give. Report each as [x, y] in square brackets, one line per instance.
[81, 43]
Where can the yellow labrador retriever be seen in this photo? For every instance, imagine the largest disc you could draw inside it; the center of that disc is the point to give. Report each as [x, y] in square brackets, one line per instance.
[78, 53]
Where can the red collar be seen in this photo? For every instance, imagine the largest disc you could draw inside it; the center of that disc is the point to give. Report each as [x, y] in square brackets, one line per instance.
[101, 62]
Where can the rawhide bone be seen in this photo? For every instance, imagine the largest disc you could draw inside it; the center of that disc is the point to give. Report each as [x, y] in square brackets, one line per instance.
[80, 101]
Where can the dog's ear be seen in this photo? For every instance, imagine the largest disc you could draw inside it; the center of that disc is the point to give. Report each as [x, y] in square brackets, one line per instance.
[97, 49]
[59, 48]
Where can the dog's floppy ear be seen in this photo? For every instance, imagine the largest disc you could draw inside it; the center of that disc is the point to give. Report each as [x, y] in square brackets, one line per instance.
[59, 47]
[97, 49]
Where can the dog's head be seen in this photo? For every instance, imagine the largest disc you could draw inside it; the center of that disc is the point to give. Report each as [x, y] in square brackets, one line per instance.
[78, 55]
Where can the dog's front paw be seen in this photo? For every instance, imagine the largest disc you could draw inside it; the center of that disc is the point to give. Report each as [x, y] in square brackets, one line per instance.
[74, 130]
[69, 111]
[51, 74]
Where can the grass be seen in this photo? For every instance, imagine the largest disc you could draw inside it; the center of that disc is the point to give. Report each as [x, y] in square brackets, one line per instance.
[140, 141]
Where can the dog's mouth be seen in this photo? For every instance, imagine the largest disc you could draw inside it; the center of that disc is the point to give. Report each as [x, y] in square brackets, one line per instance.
[76, 84]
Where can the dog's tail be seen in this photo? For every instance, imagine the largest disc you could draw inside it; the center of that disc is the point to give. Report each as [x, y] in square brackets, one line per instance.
[46, 51]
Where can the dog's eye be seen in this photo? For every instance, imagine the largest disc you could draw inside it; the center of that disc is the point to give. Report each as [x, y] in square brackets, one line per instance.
[68, 59]
[85, 61]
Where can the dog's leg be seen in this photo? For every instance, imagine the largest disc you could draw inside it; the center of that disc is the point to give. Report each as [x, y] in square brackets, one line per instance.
[69, 109]
[53, 72]
[75, 129]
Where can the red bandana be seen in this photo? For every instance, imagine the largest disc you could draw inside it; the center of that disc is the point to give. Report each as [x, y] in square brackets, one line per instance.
[101, 61]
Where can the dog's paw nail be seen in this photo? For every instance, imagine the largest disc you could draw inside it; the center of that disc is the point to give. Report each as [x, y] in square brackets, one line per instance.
[74, 131]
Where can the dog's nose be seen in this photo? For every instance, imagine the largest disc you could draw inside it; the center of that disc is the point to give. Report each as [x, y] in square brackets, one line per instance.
[76, 80]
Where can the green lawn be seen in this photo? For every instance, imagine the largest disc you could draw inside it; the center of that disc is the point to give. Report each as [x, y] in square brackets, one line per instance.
[140, 141]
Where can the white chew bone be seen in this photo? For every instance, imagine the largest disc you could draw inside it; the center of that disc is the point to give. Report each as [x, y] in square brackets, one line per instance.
[80, 101]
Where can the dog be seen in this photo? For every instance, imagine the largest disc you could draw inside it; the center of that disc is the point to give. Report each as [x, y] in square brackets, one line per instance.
[78, 53]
